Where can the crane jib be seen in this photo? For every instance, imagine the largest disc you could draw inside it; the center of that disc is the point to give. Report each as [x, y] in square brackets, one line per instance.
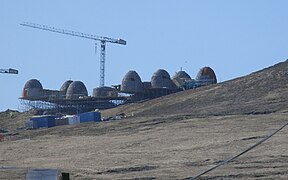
[74, 33]
[102, 39]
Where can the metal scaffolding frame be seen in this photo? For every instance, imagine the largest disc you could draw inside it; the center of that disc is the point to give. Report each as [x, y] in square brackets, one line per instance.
[70, 106]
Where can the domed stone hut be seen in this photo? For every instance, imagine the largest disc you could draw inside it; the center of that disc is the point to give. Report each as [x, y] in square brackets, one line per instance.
[65, 86]
[132, 83]
[33, 89]
[76, 89]
[180, 78]
[182, 75]
[161, 79]
[206, 74]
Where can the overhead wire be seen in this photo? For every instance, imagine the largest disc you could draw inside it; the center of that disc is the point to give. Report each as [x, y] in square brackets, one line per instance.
[236, 156]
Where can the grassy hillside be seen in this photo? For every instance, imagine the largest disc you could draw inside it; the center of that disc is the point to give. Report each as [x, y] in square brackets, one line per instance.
[172, 137]
[265, 91]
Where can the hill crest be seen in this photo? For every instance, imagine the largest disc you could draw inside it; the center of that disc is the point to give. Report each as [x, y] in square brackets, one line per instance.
[261, 92]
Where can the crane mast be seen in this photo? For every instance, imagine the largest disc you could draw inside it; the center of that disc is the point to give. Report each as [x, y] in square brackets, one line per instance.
[102, 40]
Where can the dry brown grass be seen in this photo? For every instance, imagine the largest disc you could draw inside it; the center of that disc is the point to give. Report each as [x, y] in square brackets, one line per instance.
[172, 137]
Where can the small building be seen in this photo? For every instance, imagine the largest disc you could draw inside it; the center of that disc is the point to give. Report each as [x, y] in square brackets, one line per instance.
[206, 74]
[180, 78]
[131, 83]
[104, 92]
[42, 122]
[75, 90]
[33, 89]
[89, 116]
[161, 79]
[65, 86]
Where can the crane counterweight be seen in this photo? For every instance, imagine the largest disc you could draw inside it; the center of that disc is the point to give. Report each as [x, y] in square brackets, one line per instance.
[121, 41]
[9, 71]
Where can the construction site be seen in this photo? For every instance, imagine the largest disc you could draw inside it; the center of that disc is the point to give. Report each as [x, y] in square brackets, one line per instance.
[178, 127]
[72, 97]
[177, 136]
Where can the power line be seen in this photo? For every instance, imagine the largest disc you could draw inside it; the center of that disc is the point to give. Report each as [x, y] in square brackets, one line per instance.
[236, 156]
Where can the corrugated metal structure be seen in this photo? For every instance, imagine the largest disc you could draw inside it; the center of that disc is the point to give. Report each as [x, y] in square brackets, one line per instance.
[43, 121]
[61, 121]
[52, 121]
[89, 116]
[73, 119]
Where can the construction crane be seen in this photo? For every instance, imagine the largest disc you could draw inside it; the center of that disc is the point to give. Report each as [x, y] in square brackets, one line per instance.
[102, 40]
[9, 71]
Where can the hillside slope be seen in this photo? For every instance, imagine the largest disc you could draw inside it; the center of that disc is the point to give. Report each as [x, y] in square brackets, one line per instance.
[261, 92]
[152, 148]
[172, 137]
[11, 120]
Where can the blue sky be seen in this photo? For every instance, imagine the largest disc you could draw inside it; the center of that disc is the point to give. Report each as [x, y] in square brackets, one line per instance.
[235, 38]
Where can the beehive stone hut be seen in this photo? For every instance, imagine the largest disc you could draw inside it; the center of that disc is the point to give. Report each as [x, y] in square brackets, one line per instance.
[206, 73]
[180, 78]
[131, 83]
[161, 79]
[33, 89]
[76, 89]
[65, 86]
[181, 74]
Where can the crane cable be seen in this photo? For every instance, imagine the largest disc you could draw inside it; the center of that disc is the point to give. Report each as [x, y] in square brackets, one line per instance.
[236, 156]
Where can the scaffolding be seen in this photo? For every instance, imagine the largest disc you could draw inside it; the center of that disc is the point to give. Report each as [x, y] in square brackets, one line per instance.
[70, 106]
[55, 102]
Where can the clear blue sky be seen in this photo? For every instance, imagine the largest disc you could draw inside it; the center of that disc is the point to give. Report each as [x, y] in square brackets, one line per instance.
[235, 38]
